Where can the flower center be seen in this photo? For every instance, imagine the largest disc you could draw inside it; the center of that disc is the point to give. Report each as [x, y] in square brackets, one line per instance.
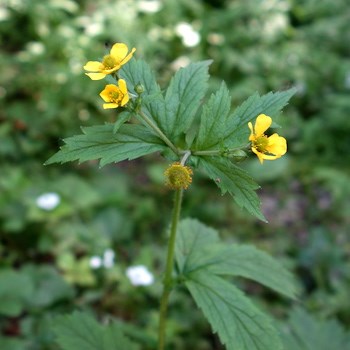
[115, 96]
[109, 62]
[261, 143]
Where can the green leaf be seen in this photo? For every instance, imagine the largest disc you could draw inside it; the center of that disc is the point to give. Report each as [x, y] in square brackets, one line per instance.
[305, 332]
[99, 142]
[239, 324]
[11, 343]
[122, 118]
[49, 285]
[198, 248]
[16, 289]
[213, 126]
[81, 331]
[232, 179]
[183, 98]
[231, 130]
[249, 262]
[139, 72]
[192, 235]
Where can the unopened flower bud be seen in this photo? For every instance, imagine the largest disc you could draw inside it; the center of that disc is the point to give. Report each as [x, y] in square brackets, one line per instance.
[238, 155]
[139, 88]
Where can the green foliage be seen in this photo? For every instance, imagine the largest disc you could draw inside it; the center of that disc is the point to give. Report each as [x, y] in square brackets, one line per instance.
[202, 258]
[232, 179]
[32, 287]
[213, 123]
[15, 290]
[174, 114]
[240, 325]
[99, 142]
[183, 97]
[305, 332]
[218, 128]
[199, 248]
[81, 331]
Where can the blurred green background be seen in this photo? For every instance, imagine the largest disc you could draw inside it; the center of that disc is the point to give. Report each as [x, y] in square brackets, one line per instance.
[69, 233]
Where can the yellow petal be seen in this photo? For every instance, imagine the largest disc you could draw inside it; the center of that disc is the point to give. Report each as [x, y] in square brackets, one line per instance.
[251, 137]
[93, 66]
[110, 105]
[105, 94]
[109, 71]
[111, 87]
[122, 86]
[96, 76]
[128, 57]
[277, 145]
[119, 51]
[125, 100]
[263, 122]
[259, 154]
[270, 157]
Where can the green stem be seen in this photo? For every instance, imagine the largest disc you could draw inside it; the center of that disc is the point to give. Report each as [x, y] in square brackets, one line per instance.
[160, 133]
[217, 152]
[168, 279]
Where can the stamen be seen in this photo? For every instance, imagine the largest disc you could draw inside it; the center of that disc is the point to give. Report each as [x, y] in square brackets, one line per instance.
[109, 62]
[261, 143]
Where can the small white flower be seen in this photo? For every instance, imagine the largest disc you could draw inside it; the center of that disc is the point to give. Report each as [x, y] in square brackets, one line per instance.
[189, 36]
[94, 29]
[48, 201]
[4, 14]
[108, 258]
[95, 262]
[149, 6]
[139, 275]
[35, 48]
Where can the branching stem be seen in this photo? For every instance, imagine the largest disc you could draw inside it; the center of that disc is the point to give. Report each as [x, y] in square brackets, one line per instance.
[159, 132]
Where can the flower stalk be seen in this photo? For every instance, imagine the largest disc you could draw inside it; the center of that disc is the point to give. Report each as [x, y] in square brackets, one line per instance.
[159, 132]
[168, 278]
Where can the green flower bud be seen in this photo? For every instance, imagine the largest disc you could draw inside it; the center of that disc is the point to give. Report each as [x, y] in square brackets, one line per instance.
[139, 88]
[238, 155]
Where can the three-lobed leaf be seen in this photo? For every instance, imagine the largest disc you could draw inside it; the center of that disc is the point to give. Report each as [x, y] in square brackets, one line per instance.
[99, 142]
[198, 248]
[202, 259]
[239, 324]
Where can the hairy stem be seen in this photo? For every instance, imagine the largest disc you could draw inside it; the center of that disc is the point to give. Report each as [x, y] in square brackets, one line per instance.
[159, 132]
[168, 279]
[217, 152]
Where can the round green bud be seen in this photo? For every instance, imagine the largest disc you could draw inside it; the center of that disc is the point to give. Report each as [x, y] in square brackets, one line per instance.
[139, 88]
[238, 155]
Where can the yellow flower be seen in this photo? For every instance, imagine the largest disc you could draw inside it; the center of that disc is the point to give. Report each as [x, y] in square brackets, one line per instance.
[110, 63]
[264, 147]
[115, 96]
[178, 176]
